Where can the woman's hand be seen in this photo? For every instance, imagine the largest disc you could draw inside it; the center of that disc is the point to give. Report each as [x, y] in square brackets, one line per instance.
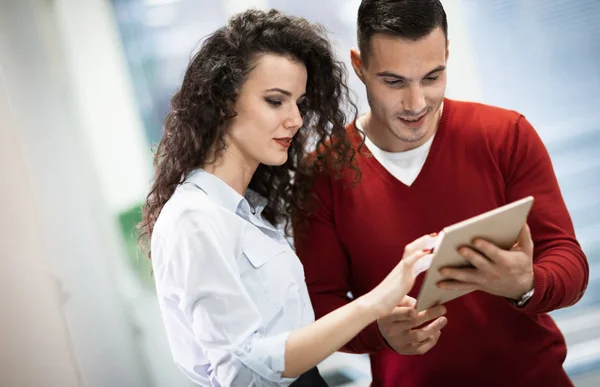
[390, 292]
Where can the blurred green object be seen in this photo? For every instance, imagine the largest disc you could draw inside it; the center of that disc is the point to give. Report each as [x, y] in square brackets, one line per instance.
[139, 262]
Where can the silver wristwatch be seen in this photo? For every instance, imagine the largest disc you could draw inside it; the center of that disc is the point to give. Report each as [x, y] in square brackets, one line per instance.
[524, 299]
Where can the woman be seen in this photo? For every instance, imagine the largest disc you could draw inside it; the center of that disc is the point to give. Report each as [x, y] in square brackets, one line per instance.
[230, 287]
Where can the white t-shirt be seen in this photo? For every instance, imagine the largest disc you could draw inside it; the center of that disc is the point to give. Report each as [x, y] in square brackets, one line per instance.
[404, 166]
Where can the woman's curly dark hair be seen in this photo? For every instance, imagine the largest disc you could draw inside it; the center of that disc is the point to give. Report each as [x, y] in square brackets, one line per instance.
[194, 131]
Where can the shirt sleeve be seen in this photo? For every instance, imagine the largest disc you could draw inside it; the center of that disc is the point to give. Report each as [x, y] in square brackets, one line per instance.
[327, 269]
[198, 270]
[560, 267]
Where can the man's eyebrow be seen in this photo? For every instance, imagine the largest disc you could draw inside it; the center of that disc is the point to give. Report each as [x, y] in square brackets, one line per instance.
[403, 78]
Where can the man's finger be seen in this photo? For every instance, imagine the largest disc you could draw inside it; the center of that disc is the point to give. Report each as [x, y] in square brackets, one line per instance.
[408, 301]
[469, 275]
[426, 345]
[479, 261]
[429, 314]
[419, 335]
[524, 240]
[488, 249]
[402, 313]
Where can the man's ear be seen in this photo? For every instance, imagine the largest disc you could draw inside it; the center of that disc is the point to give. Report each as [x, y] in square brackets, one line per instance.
[356, 61]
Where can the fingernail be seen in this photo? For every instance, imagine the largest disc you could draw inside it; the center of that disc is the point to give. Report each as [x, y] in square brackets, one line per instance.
[428, 251]
[434, 234]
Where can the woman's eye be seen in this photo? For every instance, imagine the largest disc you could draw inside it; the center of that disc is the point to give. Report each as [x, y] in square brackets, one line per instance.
[273, 102]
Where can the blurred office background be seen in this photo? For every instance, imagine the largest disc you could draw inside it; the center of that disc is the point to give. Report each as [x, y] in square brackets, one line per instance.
[84, 86]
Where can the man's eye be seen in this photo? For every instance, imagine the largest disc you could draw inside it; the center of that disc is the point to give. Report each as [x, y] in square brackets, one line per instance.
[395, 82]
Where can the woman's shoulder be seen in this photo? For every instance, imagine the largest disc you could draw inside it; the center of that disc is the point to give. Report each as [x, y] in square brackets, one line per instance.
[187, 212]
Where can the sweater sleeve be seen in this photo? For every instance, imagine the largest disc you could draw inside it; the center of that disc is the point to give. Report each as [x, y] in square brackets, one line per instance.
[560, 267]
[327, 267]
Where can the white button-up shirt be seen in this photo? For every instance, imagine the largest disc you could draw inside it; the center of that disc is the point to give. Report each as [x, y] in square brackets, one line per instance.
[229, 285]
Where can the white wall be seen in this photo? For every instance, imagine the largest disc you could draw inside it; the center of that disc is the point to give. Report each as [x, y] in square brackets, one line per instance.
[55, 217]
[103, 96]
[35, 345]
[111, 129]
[463, 77]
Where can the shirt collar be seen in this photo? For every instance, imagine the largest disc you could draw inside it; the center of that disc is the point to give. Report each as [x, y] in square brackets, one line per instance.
[224, 195]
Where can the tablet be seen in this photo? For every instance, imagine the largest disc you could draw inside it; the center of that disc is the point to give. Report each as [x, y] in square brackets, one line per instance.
[500, 226]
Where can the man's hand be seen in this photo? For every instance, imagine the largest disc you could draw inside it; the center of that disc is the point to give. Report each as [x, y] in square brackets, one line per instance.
[400, 332]
[506, 273]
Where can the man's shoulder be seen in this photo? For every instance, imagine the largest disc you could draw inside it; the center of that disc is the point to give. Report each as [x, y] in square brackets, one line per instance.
[481, 121]
[483, 112]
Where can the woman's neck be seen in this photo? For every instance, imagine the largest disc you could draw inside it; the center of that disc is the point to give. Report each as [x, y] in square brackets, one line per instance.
[233, 168]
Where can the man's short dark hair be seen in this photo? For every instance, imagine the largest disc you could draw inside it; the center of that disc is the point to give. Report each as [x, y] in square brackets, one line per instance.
[407, 19]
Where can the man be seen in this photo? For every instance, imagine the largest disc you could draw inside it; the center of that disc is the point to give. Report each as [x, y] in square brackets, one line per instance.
[428, 162]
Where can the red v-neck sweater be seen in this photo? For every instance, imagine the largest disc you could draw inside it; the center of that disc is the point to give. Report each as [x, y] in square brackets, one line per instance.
[481, 157]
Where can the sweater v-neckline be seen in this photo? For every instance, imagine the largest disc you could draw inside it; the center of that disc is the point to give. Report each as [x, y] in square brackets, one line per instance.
[435, 146]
